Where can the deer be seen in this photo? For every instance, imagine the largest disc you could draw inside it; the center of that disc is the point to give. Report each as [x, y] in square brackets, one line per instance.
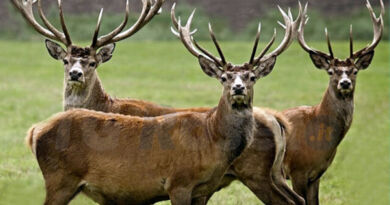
[259, 166]
[316, 131]
[86, 90]
[113, 159]
[265, 115]
[82, 86]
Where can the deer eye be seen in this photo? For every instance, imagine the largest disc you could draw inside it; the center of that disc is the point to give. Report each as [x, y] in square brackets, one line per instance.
[65, 62]
[92, 64]
[355, 72]
[330, 72]
[253, 78]
[223, 79]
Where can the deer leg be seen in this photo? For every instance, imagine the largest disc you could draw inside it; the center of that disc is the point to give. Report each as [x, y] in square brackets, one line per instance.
[266, 190]
[300, 185]
[61, 190]
[200, 201]
[280, 182]
[180, 196]
[312, 194]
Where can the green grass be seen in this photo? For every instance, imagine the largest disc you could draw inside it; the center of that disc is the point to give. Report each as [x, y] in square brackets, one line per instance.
[31, 91]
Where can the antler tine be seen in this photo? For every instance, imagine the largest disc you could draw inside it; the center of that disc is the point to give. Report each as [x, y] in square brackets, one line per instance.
[26, 9]
[156, 9]
[204, 51]
[329, 44]
[173, 18]
[175, 24]
[208, 54]
[223, 61]
[255, 45]
[295, 23]
[377, 27]
[383, 10]
[301, 38]
[265, 50]
[63, 25]
[56, 32]
[148, 12]
[97, 29]
[185, 35]
[350, 42]
[285, 42]
[103, 40]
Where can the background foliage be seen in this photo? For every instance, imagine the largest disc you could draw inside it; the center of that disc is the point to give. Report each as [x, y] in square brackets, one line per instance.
[82, 25]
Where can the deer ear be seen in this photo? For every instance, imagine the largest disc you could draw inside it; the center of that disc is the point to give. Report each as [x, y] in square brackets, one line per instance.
[55, 50]
[364, 61]
[210, 67]
[265, 67]
[319, 61]
[105, 53]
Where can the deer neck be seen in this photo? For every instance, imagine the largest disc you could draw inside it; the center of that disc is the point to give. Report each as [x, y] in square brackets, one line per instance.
[232, 127]
[336, 112]
[90, 96]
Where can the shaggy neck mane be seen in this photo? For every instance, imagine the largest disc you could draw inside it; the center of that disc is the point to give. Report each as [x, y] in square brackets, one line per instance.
[88, 95]
[233, 125]
[337, 111]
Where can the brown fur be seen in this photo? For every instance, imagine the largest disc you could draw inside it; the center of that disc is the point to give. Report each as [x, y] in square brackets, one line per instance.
[78, 151]
[91, 95]
[259, 167]
[285, 124]
[97, 99]
[29, 137]
[311, 146]
[318, 130]
[79, 52]
[267, 189]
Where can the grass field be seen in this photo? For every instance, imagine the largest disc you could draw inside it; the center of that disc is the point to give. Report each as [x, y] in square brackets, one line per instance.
[31, 90]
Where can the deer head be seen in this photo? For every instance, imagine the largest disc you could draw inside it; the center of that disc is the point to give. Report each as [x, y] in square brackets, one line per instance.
[343, 73]
[81, 62]
[238, 80]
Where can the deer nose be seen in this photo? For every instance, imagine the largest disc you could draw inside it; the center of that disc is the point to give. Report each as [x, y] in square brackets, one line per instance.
[345, 84]
[238, 89]
[237, 86]
[75, 74]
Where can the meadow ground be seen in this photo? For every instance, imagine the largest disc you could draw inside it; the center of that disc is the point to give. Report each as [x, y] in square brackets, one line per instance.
[164, 72]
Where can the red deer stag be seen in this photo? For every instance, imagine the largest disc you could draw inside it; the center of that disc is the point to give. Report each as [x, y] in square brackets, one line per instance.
[318, 130]
[83, 88]
[104, 155]
[259, 167]
[95, 93]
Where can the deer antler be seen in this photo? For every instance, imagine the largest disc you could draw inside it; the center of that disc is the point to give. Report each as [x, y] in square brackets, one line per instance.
[26, 8]
[149, 10]
[185, 34]
[302, 42]
[290, 27]
[378, 32]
